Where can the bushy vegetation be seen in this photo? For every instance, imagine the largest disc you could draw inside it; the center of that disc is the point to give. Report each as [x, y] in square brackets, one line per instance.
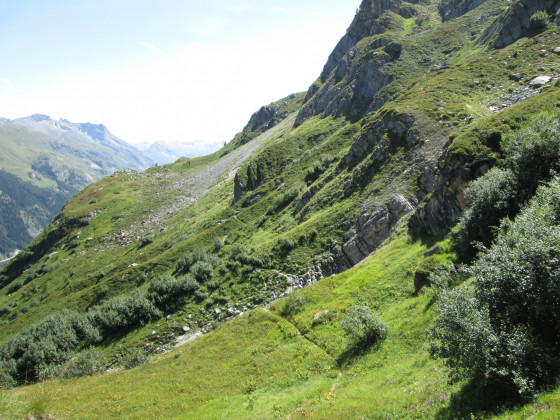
[363, 325]
[87, 362]
[50, 342]
[293, 304]
[167, 292]
[200, 258]
[123, 312]
[532, 155]
[504, 327]
[540, 20]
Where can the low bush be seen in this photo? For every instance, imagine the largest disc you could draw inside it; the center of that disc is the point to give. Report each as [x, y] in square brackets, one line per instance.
[134, 357]
[88, 362]
[123, 311]
[505, 328]
[363, 325]
[50, 342]
[185, 264]
[540, 20]
[167, 292]
[532, 156]
[202, 271]
[293, 304]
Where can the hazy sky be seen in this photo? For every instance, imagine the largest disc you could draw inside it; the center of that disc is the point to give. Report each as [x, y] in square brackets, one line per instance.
[177, 70]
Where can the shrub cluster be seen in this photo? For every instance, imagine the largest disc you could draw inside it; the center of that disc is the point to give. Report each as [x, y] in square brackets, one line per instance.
[540, 20]
[363, 325]
[49, 342]
[168, 292]
[123, 312]
[319, 167]
[504, 327]
[199, 263]
[532, 156]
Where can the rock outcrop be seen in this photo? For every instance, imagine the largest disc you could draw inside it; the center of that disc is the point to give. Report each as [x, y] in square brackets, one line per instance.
[443, 207]
[451, 9]
[374, 228]
[356, 71]
[254, 179]
[516, 21]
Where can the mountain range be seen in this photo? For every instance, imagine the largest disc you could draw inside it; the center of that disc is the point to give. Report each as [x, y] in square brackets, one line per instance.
[383, 245]
[45, 162]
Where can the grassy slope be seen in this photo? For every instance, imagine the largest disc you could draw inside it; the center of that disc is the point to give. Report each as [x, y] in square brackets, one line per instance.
[264, 366]
[374, 383]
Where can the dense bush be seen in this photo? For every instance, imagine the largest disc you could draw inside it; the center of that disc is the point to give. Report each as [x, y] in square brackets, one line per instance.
[134, 357]
[87, 362]
[293, 304]
[319, 167]
[202, 271]
[240, 254]
[540, 20]
[185, 264]
[507, 327]
[363, 325]
[123, 311]
[532, 156]
[489, 199]
[166, 292]
[49, 342]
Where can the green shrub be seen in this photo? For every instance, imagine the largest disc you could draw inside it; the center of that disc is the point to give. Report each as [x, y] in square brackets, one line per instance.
[202, 271]
[285, 245]
[540, 20]
[507, 327]
[14, 287]
[191, 258]
[44, 345]
[489, 199]
[146, 240]
[218, 243]
[293, 304]
[240, 254]
[88, 362]
[123, 311]
[532, 155]
[134, 357]
[363, 325]
[166, 292]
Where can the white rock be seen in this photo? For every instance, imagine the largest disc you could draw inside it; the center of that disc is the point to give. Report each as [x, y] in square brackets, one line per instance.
[539, 81]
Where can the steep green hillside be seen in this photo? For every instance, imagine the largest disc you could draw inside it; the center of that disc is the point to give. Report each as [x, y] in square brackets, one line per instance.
[349, 194]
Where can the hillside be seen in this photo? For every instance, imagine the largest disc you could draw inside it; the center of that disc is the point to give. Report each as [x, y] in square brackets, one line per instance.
[45, 162]
[288, 274]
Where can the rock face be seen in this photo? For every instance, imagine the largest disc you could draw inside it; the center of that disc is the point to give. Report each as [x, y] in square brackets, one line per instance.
[516, 21]
[451, 9]
[355, 74]
[255, 178]
[445, 205]
[374, 228]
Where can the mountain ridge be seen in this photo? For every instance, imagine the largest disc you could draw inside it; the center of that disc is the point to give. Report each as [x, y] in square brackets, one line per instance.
[302, 253]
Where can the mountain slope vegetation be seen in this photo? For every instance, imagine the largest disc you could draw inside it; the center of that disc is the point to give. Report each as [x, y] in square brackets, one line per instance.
[317, 264]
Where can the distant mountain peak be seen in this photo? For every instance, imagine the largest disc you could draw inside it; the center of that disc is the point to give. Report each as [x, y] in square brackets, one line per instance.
[40, 117]
[95, 131]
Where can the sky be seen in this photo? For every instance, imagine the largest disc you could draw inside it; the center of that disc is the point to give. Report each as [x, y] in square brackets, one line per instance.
[174, 70]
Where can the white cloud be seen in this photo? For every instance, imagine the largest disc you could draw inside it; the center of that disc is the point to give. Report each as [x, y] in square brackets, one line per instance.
[151, 47]
[194, 92]
[7, 85]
